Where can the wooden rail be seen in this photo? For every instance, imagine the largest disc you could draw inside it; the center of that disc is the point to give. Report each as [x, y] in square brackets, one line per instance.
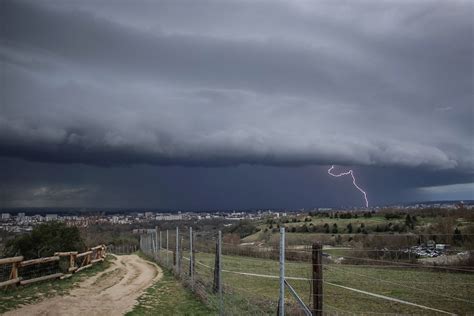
[89, 258]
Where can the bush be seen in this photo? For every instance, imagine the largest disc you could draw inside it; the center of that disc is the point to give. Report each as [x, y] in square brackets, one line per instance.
[390, 216]
[244, 228]
[45, 240]
[349, 228]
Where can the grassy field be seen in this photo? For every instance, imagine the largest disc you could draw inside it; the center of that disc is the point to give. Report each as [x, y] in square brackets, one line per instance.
[15, 297]
[442, 290]
[169, 297]
[423, 224]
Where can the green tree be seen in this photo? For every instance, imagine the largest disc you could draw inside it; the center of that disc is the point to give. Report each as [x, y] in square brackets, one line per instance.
[349, 228]
[334, 228]
[45, 240]
[326, 228]
[303, 229]
[457, 238]
[409, 221]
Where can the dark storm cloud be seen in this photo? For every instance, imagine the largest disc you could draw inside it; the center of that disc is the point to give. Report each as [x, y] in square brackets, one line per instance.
[214, 188]
[232, 82]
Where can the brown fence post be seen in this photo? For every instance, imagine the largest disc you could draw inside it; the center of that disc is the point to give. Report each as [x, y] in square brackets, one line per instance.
[215, 286]
[72, 262]
[14, 272]
[317, 282]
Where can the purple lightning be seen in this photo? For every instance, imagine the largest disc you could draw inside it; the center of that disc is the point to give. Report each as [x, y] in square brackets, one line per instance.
[350, 172]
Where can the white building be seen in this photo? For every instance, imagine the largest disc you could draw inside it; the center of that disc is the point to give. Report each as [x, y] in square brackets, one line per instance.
[169, 217]
[5, 216]
[51, 217]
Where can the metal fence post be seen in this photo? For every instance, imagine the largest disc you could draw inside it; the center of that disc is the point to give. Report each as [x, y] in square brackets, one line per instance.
[281, 302]
[160, 244]
[147, 243]
[150, 241]
[191, 258]
[317, 279]
[219, 253]
[167, 249]
[177, 251]
[152, 244]
[157, 245]
[144, 243]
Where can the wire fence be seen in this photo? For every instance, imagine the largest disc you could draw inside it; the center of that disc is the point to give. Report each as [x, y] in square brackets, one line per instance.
[122, 249]
[248, 280]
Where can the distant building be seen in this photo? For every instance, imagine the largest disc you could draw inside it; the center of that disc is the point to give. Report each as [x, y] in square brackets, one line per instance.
[324, 209]
[5, 216]
[169, 217]
[51, 217]
[20, 215]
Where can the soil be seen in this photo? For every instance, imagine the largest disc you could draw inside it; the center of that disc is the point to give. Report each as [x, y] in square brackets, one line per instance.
[113, 291]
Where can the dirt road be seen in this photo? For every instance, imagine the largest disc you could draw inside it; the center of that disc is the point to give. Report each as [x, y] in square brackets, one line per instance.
[111, 292]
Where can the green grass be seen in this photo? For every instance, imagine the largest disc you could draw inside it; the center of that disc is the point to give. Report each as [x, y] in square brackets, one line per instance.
[438, 289]
[15, 297]
[169, 297]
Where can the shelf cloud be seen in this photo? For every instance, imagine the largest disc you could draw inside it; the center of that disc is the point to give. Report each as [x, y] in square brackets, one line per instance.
[109, 85]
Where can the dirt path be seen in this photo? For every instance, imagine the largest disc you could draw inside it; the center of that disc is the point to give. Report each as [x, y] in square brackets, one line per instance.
[111, 292]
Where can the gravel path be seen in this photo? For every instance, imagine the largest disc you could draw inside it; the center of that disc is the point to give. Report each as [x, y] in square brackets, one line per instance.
[111, 292]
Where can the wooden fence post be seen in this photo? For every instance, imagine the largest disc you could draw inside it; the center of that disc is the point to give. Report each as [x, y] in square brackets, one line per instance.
[216, 283]
[72, 262]
[14, 272]
[317, 282]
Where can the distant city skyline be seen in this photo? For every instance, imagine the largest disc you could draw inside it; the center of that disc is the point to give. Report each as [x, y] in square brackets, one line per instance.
[235, 104]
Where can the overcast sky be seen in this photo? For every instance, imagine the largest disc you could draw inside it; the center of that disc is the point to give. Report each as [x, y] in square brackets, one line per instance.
[235, 104]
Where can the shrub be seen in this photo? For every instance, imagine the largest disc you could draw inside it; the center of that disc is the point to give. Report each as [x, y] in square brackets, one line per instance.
[349, 228]
[244, 228]
[45, 240]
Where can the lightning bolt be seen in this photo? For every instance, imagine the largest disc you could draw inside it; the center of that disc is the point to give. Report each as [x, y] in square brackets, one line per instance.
[351, 173]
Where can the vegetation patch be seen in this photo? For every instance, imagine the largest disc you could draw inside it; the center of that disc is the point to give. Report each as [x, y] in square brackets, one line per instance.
[169, 297]
[445, 290]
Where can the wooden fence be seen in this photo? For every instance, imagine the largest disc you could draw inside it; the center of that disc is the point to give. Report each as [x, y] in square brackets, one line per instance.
[16, 270]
